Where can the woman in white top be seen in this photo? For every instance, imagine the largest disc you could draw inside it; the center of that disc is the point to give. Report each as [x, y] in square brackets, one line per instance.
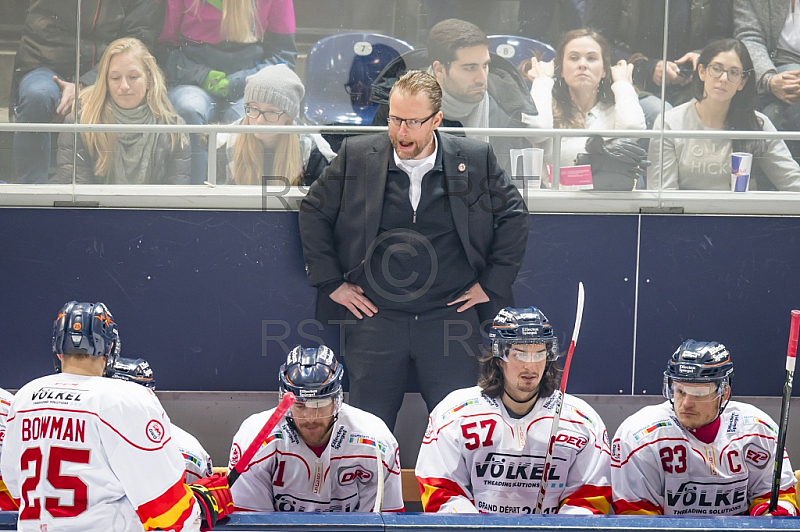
[724, 98]
[587, 92]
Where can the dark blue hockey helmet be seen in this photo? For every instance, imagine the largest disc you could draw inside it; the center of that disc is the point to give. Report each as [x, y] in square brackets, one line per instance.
[136, 370]
[516, 326]
[311, 373]
[700, 363]
[85, 329]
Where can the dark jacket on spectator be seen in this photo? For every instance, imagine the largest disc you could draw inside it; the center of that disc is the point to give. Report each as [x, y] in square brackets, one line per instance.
[169, 167]
[759, 25]
[48, 36]
[633, 26]
[509, 97]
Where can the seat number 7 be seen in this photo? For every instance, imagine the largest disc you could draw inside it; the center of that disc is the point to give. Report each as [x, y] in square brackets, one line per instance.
[32, 461]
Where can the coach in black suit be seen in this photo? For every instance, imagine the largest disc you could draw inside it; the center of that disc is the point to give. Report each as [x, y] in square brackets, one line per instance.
[414, 238]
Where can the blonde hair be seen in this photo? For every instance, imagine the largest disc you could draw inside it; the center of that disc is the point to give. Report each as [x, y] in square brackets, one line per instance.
[239, 22]
[416, 82]
[248, 159]
[94, 102]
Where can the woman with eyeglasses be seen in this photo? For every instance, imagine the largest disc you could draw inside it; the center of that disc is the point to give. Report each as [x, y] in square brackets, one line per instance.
[272, 97]
[724, 90]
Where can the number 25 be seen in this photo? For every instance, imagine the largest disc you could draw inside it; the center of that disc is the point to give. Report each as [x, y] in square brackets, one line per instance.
[58, 455]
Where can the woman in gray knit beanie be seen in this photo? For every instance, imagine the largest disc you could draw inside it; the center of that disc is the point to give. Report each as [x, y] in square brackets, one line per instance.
[272, 96]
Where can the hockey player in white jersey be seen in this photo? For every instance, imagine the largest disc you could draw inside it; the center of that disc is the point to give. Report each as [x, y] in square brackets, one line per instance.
[485, 446]
[699, 452]
[83, 452]
[196, 458]
[324, 456]
[6, 501]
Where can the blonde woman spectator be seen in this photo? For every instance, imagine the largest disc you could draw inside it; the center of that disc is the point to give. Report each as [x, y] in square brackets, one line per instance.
[272, 97]
[214, 46]
[129, 89]
[724, 88]
[582, 90]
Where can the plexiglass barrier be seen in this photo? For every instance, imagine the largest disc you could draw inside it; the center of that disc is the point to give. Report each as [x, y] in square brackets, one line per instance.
[550, 85]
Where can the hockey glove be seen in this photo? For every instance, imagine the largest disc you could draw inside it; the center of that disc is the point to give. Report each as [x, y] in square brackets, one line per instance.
[217, 84]
[763, 509]
[214, 497]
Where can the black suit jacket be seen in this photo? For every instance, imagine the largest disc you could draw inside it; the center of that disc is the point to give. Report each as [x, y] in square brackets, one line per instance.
[341, 214]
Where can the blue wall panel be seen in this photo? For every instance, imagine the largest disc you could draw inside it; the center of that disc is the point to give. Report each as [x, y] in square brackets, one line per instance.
[725, 278]
[201, 294]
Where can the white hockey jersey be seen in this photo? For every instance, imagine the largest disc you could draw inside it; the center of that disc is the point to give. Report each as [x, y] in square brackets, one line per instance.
[658, 467]
[91, 453]
[196, 459]
[286, 476]
[6, 502]
[475, 457]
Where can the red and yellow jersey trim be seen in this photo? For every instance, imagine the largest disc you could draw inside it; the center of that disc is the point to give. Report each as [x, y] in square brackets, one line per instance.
[7, 502]
[788, 496]
[435, 492]
[170, 510]
[623, 507]
[596, 499]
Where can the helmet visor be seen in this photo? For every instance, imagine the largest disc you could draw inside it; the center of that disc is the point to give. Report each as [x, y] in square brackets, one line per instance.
[694, 391]
[527, 350]
[307, 409]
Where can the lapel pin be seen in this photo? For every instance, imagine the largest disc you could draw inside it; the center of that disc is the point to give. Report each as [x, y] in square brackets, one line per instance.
[462, 167]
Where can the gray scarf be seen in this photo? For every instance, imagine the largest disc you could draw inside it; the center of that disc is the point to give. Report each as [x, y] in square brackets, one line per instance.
[469, 114]
[133, 152]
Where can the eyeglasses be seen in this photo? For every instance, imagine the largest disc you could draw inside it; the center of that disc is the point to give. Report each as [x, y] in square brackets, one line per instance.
[254, 112]
[735, 75]
[411, 123]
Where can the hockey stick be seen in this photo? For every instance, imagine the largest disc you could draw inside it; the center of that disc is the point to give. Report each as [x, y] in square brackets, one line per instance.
[379, 494]
[280, 411]
[557, 413]
[791, 354]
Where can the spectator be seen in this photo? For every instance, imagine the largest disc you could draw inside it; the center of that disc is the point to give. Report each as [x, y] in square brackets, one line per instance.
[512, 409]
[213, 47]
[400, 237]
[44, 69]
[698, 452]
[587, 92]
[771, 31]
[479, 89]
[272, 96]
[637, 27]
[130, 89]
[724, 98]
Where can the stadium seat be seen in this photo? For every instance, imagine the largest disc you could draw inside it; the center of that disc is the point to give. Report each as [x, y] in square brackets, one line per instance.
[517, 49]
[339, 73]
